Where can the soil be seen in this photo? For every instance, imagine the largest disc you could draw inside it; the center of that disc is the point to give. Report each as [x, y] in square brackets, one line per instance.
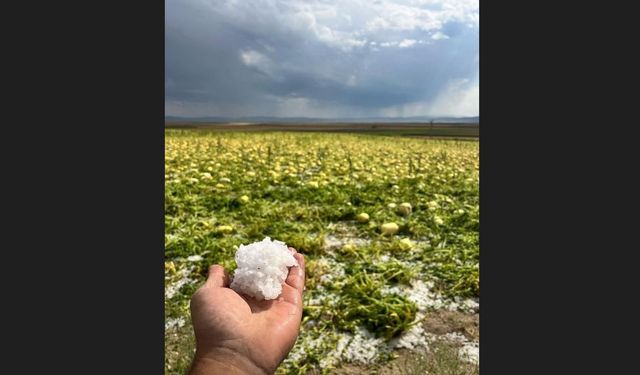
[442, 322]
[436, 322]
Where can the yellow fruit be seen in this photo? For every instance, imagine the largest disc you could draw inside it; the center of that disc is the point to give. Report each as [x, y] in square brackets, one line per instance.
[404, 208]
[348, 247]
[225, 229]
[363, 217]
[389, 228]
[406, 244]
[244, 199]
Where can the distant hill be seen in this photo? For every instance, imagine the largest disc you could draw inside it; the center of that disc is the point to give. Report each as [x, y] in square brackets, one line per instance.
[268, 119]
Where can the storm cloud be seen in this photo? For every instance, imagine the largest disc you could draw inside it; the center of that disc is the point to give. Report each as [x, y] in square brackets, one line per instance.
[321, 58]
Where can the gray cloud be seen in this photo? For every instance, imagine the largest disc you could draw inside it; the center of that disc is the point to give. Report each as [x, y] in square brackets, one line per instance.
[321, 58]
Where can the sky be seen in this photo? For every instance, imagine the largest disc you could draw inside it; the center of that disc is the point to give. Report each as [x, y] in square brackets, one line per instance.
[318, 58]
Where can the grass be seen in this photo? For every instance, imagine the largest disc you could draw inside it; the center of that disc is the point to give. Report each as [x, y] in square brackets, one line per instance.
[227, 189]
[363, 304]
[179, 349]
[441, 359]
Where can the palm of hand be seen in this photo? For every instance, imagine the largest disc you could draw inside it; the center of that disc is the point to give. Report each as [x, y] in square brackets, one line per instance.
[262, 331]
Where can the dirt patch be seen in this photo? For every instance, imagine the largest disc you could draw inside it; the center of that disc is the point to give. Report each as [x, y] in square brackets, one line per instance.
[444, 360]
[349, 369]
[443, 322]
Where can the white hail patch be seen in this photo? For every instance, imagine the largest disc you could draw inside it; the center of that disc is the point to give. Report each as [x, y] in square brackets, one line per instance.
[332, 242]
[174, 322]
[362, 347]
[171, 289]
[322, 299]
[335, 270]
[470, 352]
[194, 258]
[420, 292]
[413, 338]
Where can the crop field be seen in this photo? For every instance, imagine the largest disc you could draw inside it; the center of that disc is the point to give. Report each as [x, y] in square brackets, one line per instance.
[453, 131]
[389, 227]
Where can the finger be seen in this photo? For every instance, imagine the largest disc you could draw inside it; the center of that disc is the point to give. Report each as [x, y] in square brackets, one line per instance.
[218, 277]
[296, 275]
[293, 297]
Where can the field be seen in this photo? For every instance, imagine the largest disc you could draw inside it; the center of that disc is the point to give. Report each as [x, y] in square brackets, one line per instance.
[400, 282]
[440, 130]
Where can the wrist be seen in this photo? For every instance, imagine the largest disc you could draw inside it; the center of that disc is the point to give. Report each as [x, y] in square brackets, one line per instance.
[225, 361]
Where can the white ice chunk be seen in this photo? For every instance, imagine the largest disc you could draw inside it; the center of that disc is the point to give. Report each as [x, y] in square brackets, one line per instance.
[262, 268]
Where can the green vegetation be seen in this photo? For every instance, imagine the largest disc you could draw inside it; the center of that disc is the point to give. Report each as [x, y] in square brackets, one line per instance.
[307, 189]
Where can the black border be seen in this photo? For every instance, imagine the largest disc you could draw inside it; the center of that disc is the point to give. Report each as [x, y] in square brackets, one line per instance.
[84, 187]
[556, 193]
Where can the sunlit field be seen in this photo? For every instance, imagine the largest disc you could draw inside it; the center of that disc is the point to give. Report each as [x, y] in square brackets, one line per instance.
[388, 225]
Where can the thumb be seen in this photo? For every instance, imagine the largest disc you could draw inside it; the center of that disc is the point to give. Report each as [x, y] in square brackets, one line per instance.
[218, 277]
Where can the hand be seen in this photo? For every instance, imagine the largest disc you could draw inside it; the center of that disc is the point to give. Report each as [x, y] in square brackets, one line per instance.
[236, 334]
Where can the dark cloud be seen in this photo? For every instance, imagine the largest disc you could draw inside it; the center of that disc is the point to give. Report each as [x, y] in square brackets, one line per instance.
[294, 58]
